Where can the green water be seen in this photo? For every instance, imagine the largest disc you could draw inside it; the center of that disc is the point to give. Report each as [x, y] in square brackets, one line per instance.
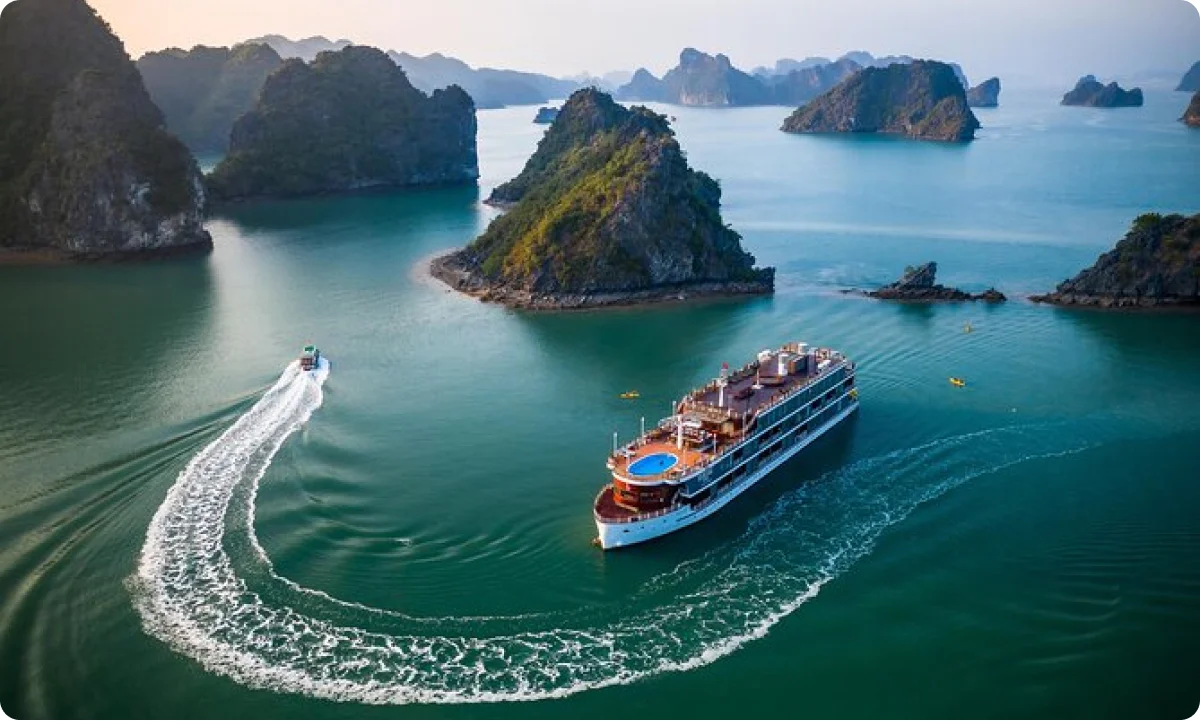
[1024, 546]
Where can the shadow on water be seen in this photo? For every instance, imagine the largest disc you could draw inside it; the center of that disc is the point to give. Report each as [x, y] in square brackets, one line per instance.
[377, 207]
[102, 349]
[658, 350]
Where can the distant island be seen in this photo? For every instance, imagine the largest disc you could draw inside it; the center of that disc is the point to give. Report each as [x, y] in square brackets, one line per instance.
[488, 87]
[1157, 263]
[86, 165]
[919, 283]
[985, 94]
[545, 115]
[1092, 93]
[923, 100]
[703, 80]
[348, 120]
[1191, 116]
[1191, 79]
[605, 212]
[202, 91]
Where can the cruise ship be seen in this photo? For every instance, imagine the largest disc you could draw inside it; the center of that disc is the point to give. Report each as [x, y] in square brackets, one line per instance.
[722, 439]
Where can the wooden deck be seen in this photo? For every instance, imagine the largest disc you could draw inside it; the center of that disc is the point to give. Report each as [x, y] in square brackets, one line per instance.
[688, 457]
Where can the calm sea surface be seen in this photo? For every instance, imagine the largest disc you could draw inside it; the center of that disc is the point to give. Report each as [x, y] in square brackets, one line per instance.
[1025, 546]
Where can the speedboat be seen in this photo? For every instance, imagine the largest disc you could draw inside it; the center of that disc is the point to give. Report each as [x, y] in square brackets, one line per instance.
[310, 358]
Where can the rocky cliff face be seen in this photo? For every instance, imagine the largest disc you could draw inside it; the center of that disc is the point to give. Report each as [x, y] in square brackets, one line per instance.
[1191, 116]
[202, 91]
[1092, 93]
[644, 87]
[1191, 79]
[349, 120]
[86, 166]
[801, 85]
[919, 283]
[605, 211]
[711, 81]
[923, 99]
[1157, 263]
[985, 94]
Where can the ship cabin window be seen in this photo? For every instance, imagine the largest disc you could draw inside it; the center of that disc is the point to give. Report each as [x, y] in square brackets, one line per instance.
[737, 455]
[737, 473]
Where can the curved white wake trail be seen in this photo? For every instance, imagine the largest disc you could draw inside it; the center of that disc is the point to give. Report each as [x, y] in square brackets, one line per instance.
[190, 595]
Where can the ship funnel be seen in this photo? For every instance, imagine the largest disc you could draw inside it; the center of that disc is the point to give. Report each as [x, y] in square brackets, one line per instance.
[782, 365]
[721, 393]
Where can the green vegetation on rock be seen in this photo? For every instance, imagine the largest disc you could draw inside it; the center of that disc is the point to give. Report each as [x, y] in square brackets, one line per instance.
[608, 203]
[923, 99]
[346, 121]
[1156, 263]
[86, 166]
[202, 91]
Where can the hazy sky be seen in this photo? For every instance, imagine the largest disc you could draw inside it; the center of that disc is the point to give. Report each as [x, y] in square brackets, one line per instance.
[1018, 39]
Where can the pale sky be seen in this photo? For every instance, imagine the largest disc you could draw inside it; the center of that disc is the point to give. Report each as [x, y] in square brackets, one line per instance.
[1019, 39]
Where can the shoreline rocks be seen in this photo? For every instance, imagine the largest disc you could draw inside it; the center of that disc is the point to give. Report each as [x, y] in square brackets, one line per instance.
[919, 284]
[465, 278]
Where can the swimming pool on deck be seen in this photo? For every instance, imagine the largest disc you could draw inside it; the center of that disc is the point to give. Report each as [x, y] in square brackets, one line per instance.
[653, 465]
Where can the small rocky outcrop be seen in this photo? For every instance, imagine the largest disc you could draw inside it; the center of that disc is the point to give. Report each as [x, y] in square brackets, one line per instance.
[1191, 79]
[202, 91]
[1191, 116]
[1157, 263]
[923, 99]
[1090, 92]
[985, 94]
[919, 283]
[86, 165]
[605, 212]
[347, 121]
[545, 115]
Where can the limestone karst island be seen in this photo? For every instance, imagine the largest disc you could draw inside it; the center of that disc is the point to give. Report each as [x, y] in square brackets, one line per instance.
[622, 360]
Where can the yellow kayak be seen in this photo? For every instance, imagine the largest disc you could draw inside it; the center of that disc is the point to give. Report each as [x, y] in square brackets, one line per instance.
[631, 394]
[957, 382]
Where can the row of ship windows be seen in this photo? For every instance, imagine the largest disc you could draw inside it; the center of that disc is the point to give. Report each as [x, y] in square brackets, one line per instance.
[774, 448]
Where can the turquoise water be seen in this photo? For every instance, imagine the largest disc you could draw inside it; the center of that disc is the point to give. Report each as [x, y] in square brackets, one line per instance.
[1024, 546]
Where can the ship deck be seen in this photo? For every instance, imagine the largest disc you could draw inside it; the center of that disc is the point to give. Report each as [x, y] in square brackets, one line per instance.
[756, 398]
[689, 458]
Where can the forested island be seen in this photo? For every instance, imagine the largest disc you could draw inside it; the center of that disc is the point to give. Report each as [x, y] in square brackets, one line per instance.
[605, 212]
[1157, 263]
[1090, 92]
[346, 121]
[87, 167]
[923, 100]
[202, 91]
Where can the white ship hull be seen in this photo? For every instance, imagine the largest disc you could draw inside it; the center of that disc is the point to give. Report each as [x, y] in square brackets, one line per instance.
[618, 535]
